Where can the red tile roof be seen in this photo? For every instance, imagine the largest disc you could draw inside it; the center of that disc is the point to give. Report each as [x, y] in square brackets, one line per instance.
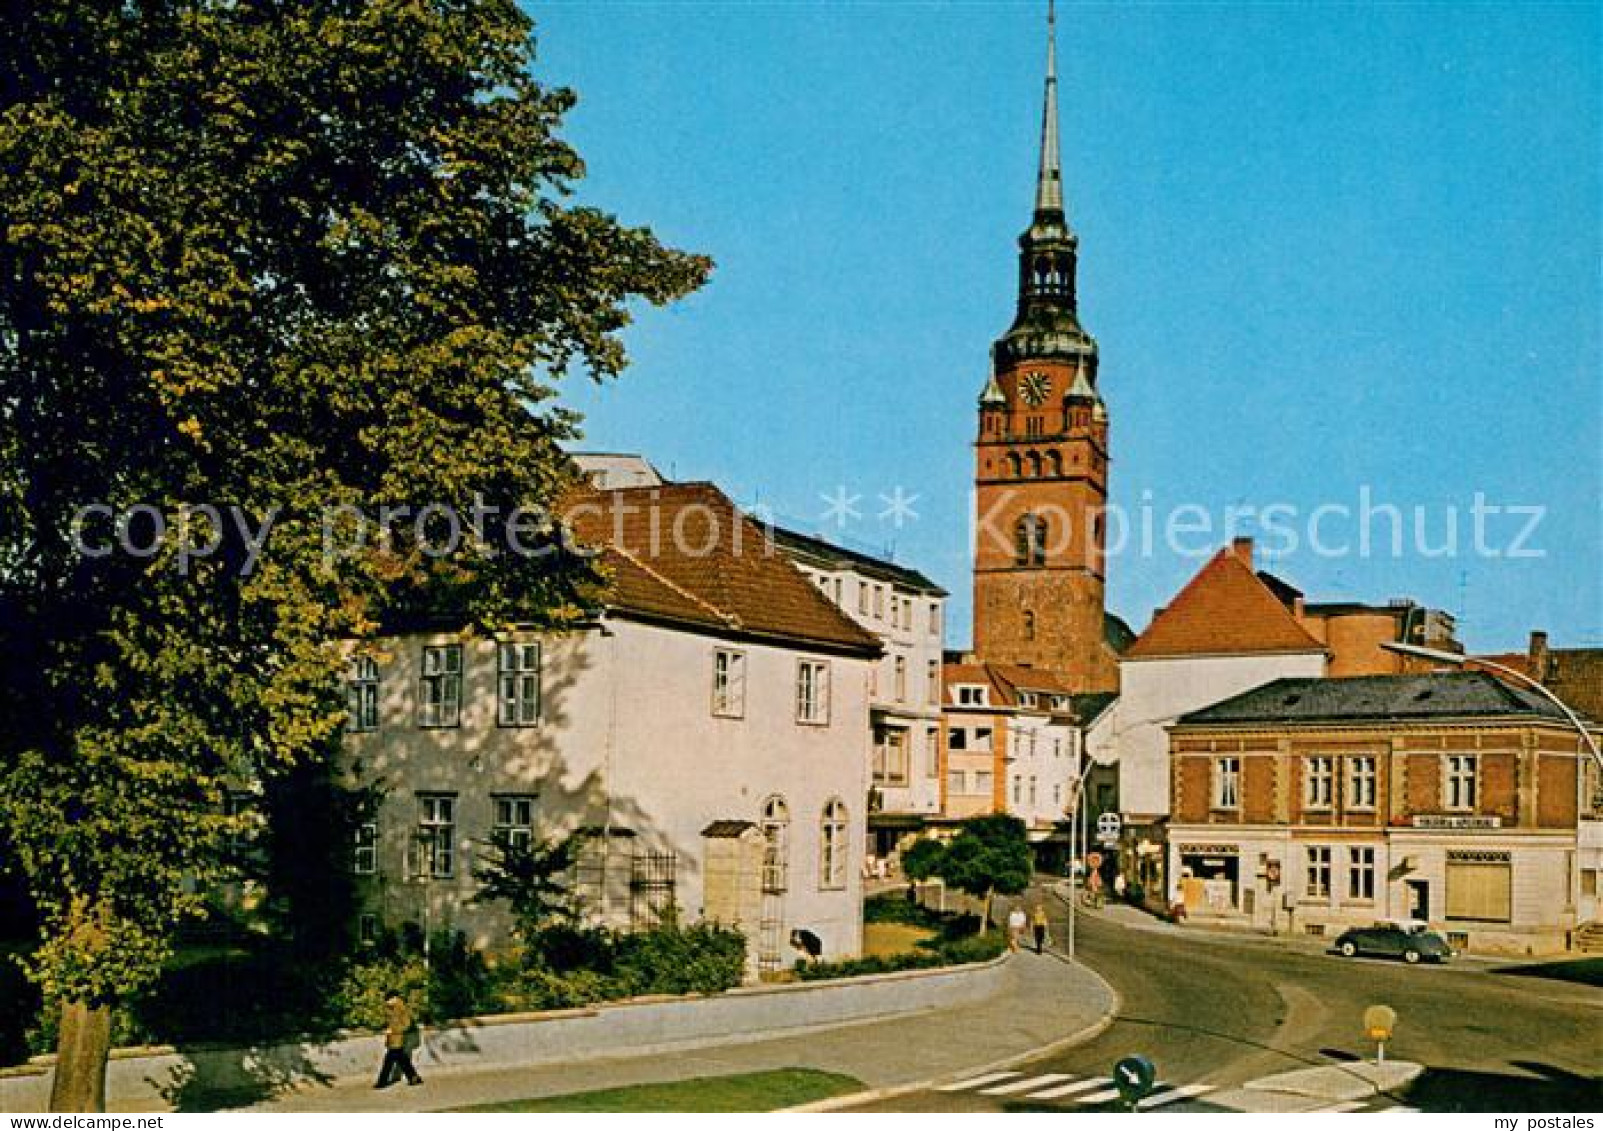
[1004, 680]
[1224, 610]
[685, 553]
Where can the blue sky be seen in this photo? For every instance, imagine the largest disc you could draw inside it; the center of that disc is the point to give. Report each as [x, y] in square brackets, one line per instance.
[1323, 247]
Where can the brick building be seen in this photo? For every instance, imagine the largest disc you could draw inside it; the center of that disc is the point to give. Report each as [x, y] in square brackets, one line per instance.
[1041, 460]
[1309, 805]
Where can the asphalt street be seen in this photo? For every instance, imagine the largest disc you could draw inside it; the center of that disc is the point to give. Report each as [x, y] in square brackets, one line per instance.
[1215, 1012]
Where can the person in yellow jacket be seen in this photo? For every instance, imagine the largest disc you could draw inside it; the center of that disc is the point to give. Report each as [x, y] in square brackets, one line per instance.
[1038, 922]
[397, 1032]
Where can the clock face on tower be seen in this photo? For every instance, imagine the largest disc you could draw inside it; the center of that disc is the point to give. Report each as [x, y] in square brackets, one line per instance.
[1035, 387]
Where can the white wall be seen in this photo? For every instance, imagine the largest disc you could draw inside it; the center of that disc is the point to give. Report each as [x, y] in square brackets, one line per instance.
[917, 642]
[1046, 752]
[627, 740]
[1154, 693]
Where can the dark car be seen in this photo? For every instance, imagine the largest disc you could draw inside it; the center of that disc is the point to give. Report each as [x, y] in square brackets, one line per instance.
[1409, 940]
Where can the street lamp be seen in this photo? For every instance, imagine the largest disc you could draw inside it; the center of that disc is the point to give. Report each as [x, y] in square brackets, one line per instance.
[1459, 661]
[1076, 829]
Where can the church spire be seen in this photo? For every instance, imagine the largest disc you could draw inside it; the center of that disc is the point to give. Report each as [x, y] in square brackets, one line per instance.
[1049, 181]
[1047, 324]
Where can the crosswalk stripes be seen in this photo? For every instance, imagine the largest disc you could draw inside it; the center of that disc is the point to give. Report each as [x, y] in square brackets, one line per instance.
[1070, 1089]
[1174, 1095]
[1102, 1097]
[1087, 1091]
[1030, 1084]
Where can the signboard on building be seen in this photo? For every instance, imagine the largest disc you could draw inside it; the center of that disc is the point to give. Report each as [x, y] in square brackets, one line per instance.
[1444, 821]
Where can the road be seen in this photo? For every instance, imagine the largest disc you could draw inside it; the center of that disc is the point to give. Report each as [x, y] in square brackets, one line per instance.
[1214, 1012]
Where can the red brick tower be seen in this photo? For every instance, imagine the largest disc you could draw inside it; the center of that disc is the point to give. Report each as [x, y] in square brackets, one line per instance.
[1041, 459]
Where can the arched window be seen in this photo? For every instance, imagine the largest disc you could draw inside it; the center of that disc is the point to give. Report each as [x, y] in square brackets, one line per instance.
[1054, 463]
[1034, 460]
[833, 846]
[1030, 541]
[1013, 465]
[776, 851]
[1029, 625]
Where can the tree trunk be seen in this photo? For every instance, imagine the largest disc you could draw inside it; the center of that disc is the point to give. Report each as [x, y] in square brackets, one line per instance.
[985, 912]
[81, 1052]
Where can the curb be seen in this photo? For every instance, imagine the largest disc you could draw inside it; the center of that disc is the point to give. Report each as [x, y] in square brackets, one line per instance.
[891, 1091]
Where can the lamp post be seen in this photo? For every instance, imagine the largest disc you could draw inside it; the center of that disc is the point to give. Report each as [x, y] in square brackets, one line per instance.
[1076, 828]
[1459, 661]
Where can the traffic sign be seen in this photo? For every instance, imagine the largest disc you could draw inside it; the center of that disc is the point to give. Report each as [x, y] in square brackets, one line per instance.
[1379, 1021]
[1109, 824]
[1134, 1076]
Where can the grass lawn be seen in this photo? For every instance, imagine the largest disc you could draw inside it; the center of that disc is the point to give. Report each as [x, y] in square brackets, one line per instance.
[751, 1091]
[883, 939]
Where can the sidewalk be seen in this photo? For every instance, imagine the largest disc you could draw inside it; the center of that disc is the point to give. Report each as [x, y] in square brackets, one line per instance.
[1047, 1003]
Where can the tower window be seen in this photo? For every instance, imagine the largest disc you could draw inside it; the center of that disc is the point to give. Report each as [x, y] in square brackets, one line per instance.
[1030, 541]
[1029, 625]
[1054, 463]
[1014, 465]
[1034, 461]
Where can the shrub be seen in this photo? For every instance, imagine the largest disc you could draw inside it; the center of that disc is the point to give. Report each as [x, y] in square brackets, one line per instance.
[359, 999]
[701, 959]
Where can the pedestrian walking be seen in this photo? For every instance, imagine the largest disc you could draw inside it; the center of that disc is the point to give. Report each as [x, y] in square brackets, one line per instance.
[397, 1031]
[1016, 923]
[1038, 924]
[1119, 885]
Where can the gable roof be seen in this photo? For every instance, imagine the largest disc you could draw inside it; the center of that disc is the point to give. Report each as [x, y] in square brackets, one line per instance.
[1224, 610]
[1438, 695]
[684, 553]
[1005, 681]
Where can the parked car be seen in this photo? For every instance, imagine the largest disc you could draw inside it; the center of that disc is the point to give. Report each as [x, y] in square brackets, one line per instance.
[1408, 939]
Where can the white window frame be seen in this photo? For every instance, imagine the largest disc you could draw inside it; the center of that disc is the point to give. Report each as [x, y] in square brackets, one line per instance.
[364, 848]
[440, 686]
[513, 822]
[834, 846]
[1361, 873]
[1319, 782]
[775, 826]
[812, 693]
[1227, 783]
[899, 672]
[728, 683]
[1317, 863]
[1363, 782]
[518, 669]
[1460, 782]
[362, 688]
[436, 827]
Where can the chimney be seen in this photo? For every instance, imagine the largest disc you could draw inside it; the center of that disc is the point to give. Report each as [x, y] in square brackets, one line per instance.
[1538, 657]
[1242, 548]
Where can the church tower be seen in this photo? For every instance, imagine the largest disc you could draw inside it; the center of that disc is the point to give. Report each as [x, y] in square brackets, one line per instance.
[1041, 459]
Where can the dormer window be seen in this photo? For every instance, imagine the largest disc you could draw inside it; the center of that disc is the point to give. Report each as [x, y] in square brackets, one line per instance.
[970, 695]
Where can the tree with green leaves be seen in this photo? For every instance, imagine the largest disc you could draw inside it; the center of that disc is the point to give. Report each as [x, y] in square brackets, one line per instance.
[261, 263]
[989, 856]
[535, 879]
